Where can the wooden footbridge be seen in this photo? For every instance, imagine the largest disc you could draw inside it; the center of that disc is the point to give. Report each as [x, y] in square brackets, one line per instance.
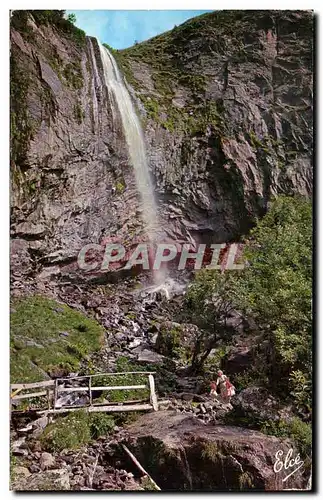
[102, 392]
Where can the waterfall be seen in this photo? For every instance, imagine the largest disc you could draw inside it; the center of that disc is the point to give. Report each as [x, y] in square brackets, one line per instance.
[135, 141]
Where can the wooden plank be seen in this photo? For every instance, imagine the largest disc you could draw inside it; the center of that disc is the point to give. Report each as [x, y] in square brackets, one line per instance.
[30, 395]
[110, 374]
[105, 388]
[55, 394]
[77, 377]
[118, 387]
[132, 401]
[153, 397]
[15, 393]
[122, 407]
[90, 392]
[72, 389]
[140, 467]
[34, 385]
[107, 409]
[48, 398]
[122, 373]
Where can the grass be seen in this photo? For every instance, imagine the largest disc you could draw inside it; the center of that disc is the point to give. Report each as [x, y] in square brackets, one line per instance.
[75, 430]
[245, 481]
[122, 396]
[48, 338]
[120, 186]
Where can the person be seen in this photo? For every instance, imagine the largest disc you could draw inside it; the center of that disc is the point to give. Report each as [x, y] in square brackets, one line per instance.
[213, 392]
[227, 390]
[230, 390]
[221, 385]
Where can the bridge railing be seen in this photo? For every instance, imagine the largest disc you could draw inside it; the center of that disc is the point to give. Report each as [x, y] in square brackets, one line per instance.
[108, 392]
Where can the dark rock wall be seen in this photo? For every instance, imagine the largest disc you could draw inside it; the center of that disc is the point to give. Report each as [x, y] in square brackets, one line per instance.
[229, 106]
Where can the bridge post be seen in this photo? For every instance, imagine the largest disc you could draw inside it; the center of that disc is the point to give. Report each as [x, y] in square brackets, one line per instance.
[153, 397]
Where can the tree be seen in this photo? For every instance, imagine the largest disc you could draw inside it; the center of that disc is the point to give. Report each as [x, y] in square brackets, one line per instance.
[275, 289]
[209, 302]
[71, 18]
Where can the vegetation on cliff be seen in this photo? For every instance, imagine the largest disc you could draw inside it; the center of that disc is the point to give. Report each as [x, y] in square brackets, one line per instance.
[176, 60]
[56, 18]
[274, 290]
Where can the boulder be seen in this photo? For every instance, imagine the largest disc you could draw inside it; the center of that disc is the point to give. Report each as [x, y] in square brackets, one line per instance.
[146, 356]
[181, 453]
[54, 480]
[19, 447]
[257, 404]
[47, 461]
[238, 359]
[20, 471]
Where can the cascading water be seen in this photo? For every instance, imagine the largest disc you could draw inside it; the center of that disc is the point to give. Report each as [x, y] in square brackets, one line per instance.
[136, 145]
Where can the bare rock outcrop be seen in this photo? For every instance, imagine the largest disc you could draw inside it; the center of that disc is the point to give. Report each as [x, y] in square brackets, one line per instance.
[181, 453]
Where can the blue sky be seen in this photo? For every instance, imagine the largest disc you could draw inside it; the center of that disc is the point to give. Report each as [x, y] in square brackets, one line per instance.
[120, 28]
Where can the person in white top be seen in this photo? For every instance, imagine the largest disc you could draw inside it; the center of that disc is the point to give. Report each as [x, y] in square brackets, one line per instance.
[225, 387]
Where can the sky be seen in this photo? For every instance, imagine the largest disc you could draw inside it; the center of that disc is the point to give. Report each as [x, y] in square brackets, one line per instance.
[121, 28]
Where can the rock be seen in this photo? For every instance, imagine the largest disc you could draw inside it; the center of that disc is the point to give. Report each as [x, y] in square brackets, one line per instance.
[21, 471]
[20, 259]
[202, 408]
[135, 343]
[78, 480]
[53, 480]
[35, 445]
[19, 447]
[255, 403]
[34, 468]
[25, 430]
[238, 359]
[216, 457]
[47, 461]
[152, 357]
[40, 423]
[120, 337]
[153, 339]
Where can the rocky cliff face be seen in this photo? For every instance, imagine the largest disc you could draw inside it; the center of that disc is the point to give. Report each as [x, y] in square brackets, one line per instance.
[69, 162]
[225, 101]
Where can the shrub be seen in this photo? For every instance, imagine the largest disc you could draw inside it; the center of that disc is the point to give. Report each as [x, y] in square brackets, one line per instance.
[295, 429]
[100, 424]
[76, 430]
[275, 290]
[68, 432]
